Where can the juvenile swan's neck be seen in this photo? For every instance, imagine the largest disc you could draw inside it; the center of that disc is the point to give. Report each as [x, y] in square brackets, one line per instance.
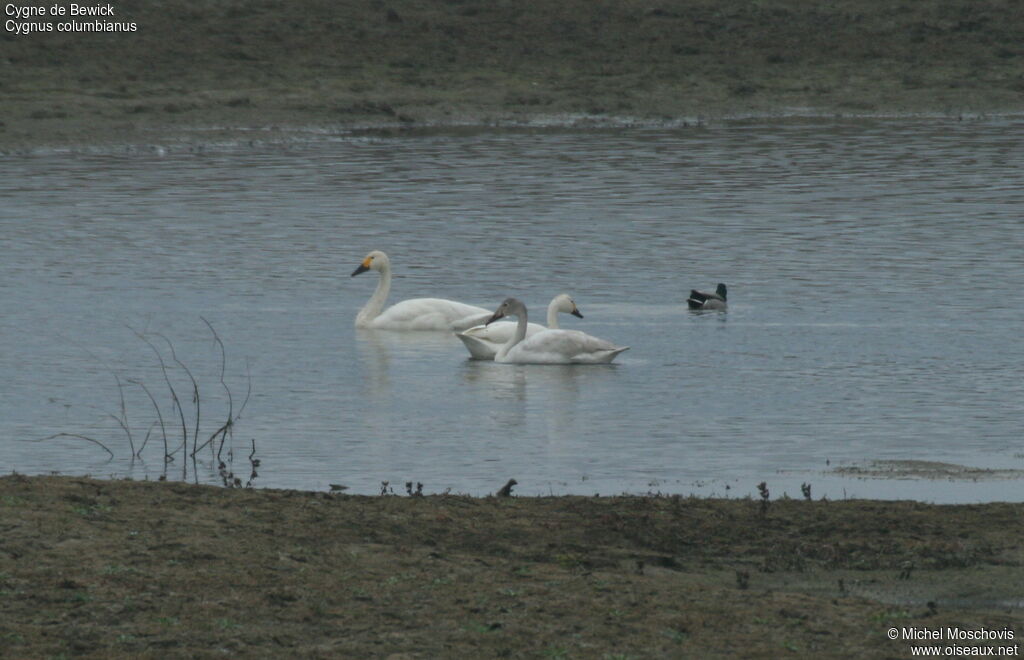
[520, 335]
[520, 329]
[375, 305]
[553, 314]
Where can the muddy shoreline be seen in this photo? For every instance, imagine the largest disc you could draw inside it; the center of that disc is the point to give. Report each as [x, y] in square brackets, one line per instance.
[117, 568]
[226, 70]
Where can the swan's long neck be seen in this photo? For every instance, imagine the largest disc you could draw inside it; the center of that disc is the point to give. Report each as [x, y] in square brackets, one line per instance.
[553, 314]
[518, 336]
[520, 329]
[375, 305]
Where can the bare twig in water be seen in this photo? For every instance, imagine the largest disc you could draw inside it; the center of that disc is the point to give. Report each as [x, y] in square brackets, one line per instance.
[223, 365]
[227, 430]
[229, 426]
[224, 430]
[80, 437]
[195, 387]
[159, 415]
[255, 463]
[123, 419]
[195, 402]
[248, 390]
[167, 379]
[506, 490]
[145, 440]
[221, 431]
[218, 437]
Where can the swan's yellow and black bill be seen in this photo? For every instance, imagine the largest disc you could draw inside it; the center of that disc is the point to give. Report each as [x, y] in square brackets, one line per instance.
[576, 312]
[497, 315]
[363, 267]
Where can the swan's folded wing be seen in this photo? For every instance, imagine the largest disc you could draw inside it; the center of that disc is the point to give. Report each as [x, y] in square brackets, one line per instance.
[502, 331]
[479, 349]
[426, 314]
[599, 357]
[568, 343]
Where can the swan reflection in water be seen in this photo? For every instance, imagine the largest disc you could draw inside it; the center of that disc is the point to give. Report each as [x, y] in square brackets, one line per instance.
[540, 399]
[379, 349]
[546, 400]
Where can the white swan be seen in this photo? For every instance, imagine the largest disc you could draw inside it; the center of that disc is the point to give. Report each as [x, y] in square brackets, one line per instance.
[550, 346]
[484, 341]
[705, 300]
[412, 314]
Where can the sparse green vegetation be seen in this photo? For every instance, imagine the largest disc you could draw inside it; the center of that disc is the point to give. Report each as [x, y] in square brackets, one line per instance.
[269, 573]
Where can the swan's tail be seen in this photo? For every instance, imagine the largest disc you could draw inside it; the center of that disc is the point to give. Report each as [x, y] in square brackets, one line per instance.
[478, 350]
[601, 357]
[613, 353]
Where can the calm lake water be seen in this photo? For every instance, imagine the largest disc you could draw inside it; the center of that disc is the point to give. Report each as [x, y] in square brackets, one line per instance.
[875, 272]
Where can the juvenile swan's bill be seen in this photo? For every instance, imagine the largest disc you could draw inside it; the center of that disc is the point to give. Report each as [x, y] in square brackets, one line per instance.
[412, 314]
[550, 346]
[484, 341]
[712, 301]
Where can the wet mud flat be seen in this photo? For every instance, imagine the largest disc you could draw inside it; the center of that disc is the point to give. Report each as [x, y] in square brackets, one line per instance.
[262, 70]
[107, 569]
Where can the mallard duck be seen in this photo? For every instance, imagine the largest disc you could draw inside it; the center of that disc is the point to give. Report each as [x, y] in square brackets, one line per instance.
[705, 300]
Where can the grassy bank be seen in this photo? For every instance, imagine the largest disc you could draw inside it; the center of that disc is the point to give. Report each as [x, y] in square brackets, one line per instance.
[226, 65]
[110, 569]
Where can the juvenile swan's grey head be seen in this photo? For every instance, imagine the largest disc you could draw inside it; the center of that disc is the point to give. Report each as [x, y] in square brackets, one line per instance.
[508, 307]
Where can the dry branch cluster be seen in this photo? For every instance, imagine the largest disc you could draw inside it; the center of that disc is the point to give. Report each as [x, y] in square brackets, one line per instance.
[189, 420]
